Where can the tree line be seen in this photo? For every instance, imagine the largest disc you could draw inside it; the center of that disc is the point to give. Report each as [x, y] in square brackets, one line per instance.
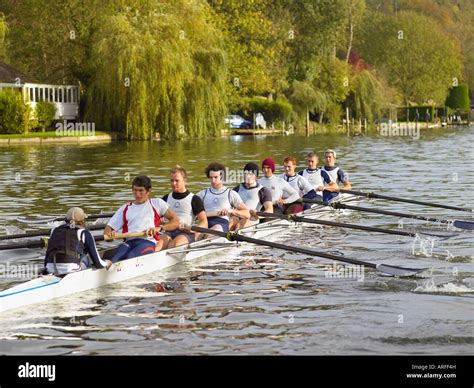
[177, 67]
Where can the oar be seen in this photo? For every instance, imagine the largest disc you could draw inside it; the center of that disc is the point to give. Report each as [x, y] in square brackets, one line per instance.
[296, 218]
[396, 199]
[337, 205]
[58, 219]
[43, 232]
[384, 268]
[42, 243]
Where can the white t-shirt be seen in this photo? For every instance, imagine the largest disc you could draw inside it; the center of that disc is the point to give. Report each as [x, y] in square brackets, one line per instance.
[139, 217]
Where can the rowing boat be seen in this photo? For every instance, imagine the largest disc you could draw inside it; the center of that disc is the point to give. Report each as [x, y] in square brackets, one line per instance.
[48, 287]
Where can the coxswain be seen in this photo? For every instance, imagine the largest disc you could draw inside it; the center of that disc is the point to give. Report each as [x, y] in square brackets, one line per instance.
[255, 196]
[71, 247]
[144, 214]
[187, 206]
[284, 197]
[220, 200]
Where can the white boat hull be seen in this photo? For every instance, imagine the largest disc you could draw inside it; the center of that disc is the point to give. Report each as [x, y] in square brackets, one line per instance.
[48, 287]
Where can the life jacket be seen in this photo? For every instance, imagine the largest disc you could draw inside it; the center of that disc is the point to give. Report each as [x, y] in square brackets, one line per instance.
[64, 246]
[156, 219]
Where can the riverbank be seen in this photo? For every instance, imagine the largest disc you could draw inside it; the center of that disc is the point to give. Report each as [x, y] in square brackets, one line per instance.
[50, 137]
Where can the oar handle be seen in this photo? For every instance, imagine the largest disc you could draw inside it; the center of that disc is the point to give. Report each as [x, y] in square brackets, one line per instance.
[125, 235]
[216, 214]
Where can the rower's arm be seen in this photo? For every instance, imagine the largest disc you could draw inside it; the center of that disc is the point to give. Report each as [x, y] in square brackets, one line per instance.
[292, 194]
[268, 206]
[332, 186]
[347, 185]
[202, 219]
[202, 223]
[173, 219]
[241, 211]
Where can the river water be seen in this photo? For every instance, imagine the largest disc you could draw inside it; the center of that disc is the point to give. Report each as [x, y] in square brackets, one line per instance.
[255, 300]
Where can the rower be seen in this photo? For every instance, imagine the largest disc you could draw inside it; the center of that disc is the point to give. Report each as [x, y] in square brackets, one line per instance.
[255, 196]
[317, 177]
[284, 197]
[142, 214]
[298, 182]
[221, 200]
[336, 174]
[71, 246]
[187, 207]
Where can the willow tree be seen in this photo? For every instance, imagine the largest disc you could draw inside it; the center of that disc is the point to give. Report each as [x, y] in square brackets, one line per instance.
[305, 99]
[159, 68]
[3, 31]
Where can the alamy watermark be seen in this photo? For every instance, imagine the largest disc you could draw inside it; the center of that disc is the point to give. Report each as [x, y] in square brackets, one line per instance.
[74, 129]
[19, 271]
[235, 176]
[345, 271]
[400, 130]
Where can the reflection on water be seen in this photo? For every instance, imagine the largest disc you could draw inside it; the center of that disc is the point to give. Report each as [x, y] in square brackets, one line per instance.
[256, 300]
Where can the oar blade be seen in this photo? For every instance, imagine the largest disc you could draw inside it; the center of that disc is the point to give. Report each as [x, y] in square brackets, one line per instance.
[399, 271]
[467, 225]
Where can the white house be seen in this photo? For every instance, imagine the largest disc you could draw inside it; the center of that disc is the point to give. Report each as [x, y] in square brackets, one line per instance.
[64, 97]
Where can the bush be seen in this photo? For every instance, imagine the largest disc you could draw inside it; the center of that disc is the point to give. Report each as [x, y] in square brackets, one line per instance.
[15, 115]
[458, 97]
[45, 113]
[272, 110]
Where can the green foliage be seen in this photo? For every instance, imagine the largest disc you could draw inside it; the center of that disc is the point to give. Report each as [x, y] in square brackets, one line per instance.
[177, 67]
[161, 69]
[458, 97]
[14, 113]
[305, 98]
[45, 113]
[255, 40]
[453, 17]
[50, 40]
[274, 111]
[3, 32]
[413, 53]
[316, 27]
[368, 95]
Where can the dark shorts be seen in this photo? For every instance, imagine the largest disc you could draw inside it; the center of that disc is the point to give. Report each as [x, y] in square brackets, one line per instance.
[211, 221]
[191, 237]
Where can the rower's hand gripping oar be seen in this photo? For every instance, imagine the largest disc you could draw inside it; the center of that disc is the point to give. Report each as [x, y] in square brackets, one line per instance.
[296, 218]
[467, 225]
[384, 268]
[396, 199]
